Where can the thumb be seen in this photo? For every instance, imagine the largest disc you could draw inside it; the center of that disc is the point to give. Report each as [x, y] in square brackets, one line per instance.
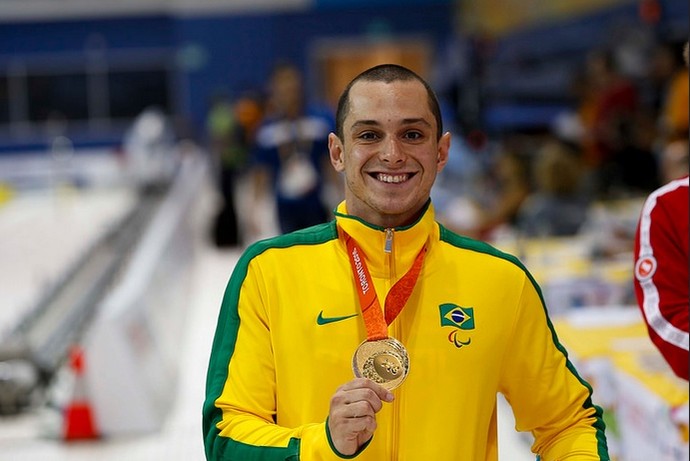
[387, 396]
[382, 393]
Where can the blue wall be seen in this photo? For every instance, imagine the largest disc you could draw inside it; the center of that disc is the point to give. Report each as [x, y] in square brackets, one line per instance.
[229, 52]
[27, 38]
[234, 52]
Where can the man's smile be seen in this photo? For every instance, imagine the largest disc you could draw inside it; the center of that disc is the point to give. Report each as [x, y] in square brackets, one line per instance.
[392, 178]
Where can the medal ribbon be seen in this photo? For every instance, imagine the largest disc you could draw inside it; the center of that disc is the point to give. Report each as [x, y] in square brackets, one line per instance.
[374, 321]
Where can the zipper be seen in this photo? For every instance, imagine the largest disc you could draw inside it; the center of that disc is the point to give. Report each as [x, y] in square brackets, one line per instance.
[395, 414]
[388, 244]
[395, 422]
[388, 250]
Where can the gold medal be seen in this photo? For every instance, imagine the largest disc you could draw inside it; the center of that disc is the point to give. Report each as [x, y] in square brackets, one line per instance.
[384, 361]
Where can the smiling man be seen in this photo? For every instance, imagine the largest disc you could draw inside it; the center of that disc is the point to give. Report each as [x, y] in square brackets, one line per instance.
[382, 335]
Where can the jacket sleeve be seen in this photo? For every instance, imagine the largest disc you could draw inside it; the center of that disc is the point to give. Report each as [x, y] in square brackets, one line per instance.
[240, 405]
[548, 397]
[661, 283]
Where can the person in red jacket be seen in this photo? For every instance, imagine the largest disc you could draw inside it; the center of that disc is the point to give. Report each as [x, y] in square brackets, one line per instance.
[661, 271]
[662, 286]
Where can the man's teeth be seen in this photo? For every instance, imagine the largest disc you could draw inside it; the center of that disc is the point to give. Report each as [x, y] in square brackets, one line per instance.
[390, 178]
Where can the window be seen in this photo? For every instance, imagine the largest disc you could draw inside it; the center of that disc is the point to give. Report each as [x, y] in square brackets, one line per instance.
[4, 100]
[57, 97]
[130, 92]
[88, 98]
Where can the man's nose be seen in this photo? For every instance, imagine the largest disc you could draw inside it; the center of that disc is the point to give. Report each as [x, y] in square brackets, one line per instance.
[392, 152]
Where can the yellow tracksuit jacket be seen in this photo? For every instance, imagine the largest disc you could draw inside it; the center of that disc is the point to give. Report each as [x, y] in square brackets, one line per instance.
[474, 325]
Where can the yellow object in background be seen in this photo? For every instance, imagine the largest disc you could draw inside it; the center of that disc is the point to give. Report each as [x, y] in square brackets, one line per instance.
[6, 193]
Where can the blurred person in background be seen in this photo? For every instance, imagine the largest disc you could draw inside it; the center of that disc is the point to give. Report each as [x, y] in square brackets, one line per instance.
[494, 199]
[558, 206]
[290, 158]
[670, 76]
[510, 177]
[231, 127]
[661, 276]
[608, 108]
[674, 160]
[462, 184]
[296, 372]
[149, 149]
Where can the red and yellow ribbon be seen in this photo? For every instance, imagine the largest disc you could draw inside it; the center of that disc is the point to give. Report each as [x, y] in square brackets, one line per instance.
[374, 320]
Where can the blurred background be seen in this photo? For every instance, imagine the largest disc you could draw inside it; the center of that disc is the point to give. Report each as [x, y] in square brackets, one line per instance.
[133, 171]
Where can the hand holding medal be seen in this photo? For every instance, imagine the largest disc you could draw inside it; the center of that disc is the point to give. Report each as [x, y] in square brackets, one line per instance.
[380, 358]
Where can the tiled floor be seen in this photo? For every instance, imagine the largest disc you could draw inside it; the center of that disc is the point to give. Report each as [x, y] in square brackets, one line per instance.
[26, 438]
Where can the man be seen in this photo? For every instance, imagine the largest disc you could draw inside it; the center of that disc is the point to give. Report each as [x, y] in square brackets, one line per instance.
[231, 126]
[462, 321]
[661, 259]
[290, 155]
[661, 271]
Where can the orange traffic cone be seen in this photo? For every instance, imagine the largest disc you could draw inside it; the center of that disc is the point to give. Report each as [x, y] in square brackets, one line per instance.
[78, 418]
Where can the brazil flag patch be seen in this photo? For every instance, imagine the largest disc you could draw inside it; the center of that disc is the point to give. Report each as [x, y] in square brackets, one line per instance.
[453, 315]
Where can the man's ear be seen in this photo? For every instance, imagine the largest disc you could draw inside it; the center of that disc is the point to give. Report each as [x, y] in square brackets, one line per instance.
[443, 151]
[335, 151]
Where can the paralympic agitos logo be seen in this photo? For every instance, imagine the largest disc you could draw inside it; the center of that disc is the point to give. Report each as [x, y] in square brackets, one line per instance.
[461, 319]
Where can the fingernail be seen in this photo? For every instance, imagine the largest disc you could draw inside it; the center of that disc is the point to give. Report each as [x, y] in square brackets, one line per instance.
[389, 396]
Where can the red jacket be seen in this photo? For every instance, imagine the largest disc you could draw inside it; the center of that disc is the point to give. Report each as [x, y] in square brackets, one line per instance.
[661, 278]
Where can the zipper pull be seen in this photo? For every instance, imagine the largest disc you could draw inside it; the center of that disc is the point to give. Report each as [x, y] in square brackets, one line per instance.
[388, 247]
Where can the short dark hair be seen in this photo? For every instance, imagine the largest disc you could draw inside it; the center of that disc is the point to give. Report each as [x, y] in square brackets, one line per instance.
[386, 73]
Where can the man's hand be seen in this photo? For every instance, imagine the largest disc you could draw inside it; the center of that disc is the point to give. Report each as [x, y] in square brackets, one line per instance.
[352, 417]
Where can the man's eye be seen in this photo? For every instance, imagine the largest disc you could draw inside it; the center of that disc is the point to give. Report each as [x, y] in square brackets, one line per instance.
[368, 135]
[413, 135]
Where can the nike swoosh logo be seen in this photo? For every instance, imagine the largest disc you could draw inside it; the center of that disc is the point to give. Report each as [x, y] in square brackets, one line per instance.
[321, 320]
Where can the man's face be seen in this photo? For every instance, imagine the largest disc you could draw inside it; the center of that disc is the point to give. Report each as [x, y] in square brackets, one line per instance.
[389, 152]
[286, 91]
